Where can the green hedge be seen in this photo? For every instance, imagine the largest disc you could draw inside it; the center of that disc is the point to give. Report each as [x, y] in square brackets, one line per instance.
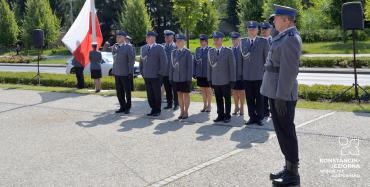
[329, 35]
[311, 93]
[16, 59]
[334, 61]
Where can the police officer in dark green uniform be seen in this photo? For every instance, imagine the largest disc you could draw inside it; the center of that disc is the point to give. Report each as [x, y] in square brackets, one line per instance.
[281, 87]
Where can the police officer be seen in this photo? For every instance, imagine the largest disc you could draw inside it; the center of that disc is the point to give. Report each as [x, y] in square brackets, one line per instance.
[95, 59]
[200, 72]
[181, 73]
[254, 51]
[171, 95]
[79, 69]
[266, 29]
[123, 69]
[238, 89]
[153, 67]
[281, 87]
[222, 76]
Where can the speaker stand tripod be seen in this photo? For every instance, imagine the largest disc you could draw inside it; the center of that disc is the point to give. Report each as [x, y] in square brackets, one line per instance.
[38, 75]
[354, 85]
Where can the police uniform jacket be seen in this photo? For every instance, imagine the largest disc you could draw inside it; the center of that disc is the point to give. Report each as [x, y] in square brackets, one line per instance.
[222, 67]
[95, 58]
[254, 58]
[239, 62]
[282, 66]
[201, 62]
[123, 59]
[168, 48]
[181, 66]
[153, 62]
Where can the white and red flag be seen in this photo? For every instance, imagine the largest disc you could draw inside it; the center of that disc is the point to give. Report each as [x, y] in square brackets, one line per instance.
[84, 31]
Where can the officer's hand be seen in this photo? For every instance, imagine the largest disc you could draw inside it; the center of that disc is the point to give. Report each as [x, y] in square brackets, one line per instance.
[232, 85]
[130, 76]
[280, 106]
[160, 78]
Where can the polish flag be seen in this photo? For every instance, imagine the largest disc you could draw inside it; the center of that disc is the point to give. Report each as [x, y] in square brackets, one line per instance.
[83, 32]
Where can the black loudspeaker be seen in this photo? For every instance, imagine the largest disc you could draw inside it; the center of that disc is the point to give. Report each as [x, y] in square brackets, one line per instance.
[352, 16]
[38, 38]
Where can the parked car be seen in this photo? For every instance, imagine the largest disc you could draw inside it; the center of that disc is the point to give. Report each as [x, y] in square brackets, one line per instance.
[106, 66]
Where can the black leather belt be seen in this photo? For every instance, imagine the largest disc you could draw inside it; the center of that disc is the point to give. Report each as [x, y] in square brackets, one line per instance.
[272, 69]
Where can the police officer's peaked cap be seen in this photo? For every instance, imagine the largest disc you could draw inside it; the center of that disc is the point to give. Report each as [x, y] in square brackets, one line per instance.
[234, 35]
[285, 10]
[218, 34]
[151, 33]
[252, 25]
[168, 33]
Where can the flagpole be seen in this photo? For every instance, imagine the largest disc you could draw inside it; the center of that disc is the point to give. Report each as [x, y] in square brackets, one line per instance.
[93, 16]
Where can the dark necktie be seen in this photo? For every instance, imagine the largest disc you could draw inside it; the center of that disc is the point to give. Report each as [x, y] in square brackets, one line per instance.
[252, 43]
[235, 51]
[149, 49]
[218, 52]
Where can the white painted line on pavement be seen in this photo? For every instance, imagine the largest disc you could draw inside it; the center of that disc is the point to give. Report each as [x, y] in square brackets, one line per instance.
[223, 157]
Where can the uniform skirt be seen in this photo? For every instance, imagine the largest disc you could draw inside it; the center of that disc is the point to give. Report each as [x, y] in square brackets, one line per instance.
[202, 82]
[239, 85]
[95, 73]
[181, 87]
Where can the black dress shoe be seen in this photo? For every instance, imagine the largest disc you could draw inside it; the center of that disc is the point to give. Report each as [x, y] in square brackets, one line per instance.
[276, 175]
[150, 114]
[250, 122]
[127, 111]
[120, 111]
[156, 114]
[290, 177]
[259, 123]
[168, 107]
[227, 120]
[218, 119]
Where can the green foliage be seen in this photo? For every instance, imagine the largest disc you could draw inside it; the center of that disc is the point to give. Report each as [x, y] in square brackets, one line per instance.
[250, 10]
[8, 26]
[16, 59]
[320, 35]
[330, 62]
[367, 10]
[130, 23]
[232, 12]
[334, 11]
[268, 8]
[311, 93]
[39, 15]
[188, 13]
[208, 19]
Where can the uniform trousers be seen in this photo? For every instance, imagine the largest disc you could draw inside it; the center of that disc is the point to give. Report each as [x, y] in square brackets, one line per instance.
[285, 131]
[171, 94]
[254, 100]
[153, 91]
[123, 89]
[223, 100]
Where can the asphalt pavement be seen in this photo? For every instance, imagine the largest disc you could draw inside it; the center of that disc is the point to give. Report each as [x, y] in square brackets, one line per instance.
[61, 139]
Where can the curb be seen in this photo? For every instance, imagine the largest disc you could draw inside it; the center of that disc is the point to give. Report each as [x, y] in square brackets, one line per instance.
[34, 65]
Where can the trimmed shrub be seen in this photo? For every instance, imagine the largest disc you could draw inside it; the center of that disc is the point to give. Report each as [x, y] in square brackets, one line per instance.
[311, 93]
[334, 61]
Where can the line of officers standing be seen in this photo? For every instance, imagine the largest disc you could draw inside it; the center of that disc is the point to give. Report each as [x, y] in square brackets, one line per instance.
[238, 69]
[262, 69]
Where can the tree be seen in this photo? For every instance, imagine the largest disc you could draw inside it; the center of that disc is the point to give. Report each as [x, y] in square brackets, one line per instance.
[208, 19]
[162, 16]
[268, 8]
[136, 28]
[250, 10]
[367, 10]
[335, 11]
[232, 12]
[39, 15]
[188, 12]
[8, 26]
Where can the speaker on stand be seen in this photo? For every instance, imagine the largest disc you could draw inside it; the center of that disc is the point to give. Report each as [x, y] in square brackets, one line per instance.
[353, 19]
[38, 43]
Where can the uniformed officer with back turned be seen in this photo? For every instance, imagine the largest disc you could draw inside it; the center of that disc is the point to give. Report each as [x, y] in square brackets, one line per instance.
[221, 73]
[171, 95]
[281, 87]
[254, 51]
[153, 67]
[123, 69]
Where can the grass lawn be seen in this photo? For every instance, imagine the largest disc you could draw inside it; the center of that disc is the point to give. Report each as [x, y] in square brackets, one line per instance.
[311, 48]
[348, 107]
[53, 61]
